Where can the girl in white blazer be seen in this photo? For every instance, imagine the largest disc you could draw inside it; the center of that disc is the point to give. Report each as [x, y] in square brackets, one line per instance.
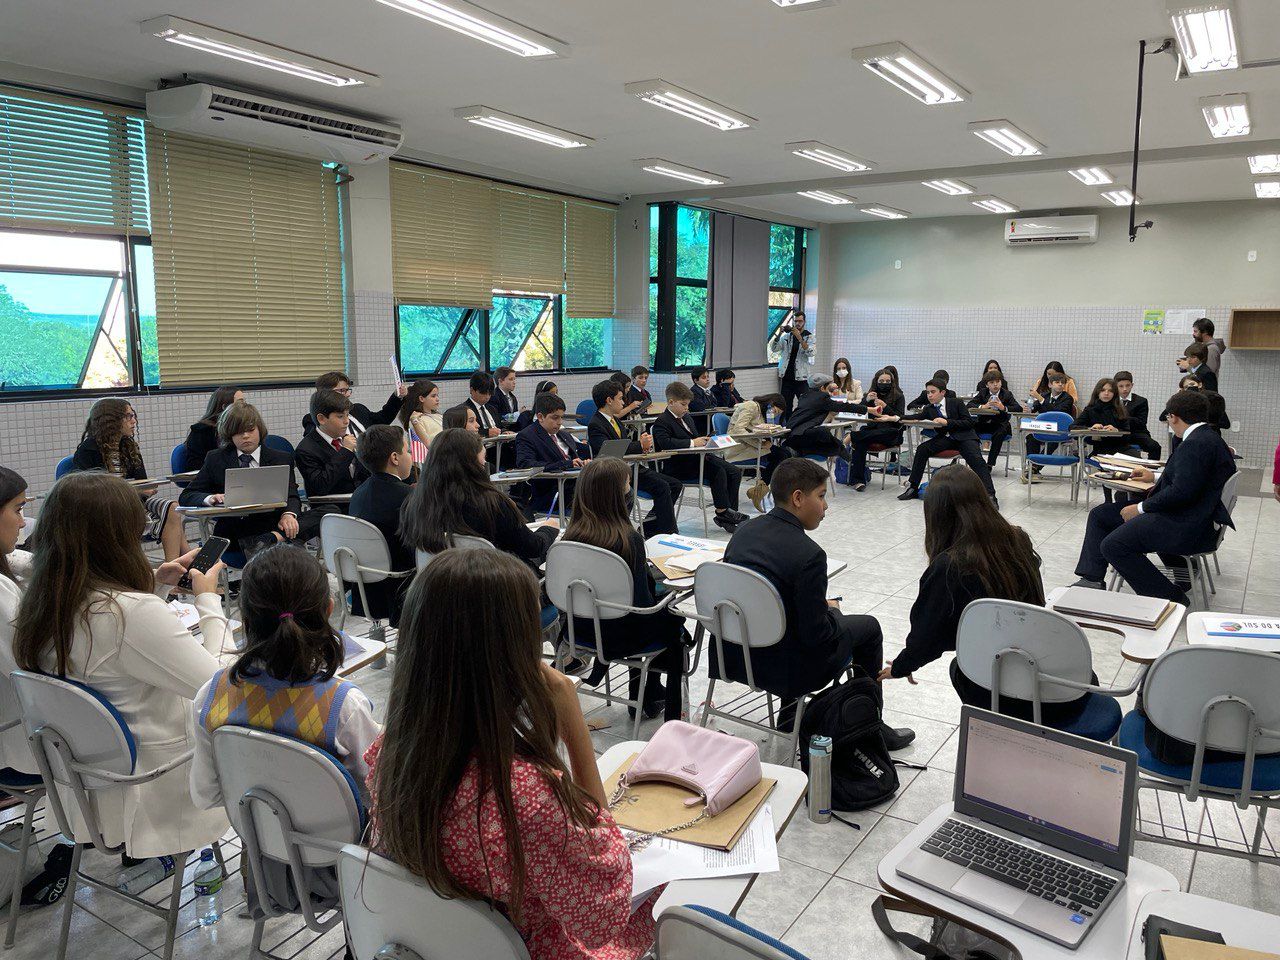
[93, 611]
[15, 567]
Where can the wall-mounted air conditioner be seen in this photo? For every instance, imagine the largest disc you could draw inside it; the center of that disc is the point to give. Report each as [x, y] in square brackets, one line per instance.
[1033, 231]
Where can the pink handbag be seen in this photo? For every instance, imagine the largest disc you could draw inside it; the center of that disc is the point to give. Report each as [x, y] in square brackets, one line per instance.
[719, 767]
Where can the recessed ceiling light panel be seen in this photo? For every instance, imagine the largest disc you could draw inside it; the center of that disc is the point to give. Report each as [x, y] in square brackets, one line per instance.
[688, 104]
[1267, 188]
[1227, 115]
[522, 127]
[952, 188]
[678, 171]
[480, 24]
[1004, 136]
[826, 196]
[993, 205]
[910, 73]
[1265, 163]
[233, 46]
[1206, 34]
[884, 212]
[1092, 176]
[829, 156]
[805, 4]
[1121, 197]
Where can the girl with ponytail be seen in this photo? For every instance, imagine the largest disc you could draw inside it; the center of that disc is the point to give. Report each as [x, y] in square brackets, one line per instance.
[289, 661]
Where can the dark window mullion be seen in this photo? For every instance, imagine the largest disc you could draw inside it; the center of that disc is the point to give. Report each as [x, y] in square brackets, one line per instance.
[666, 356]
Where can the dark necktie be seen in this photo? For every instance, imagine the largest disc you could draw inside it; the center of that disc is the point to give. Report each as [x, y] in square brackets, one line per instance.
[246, 460]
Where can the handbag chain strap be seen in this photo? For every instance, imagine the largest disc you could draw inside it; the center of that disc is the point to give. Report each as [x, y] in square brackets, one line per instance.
[638, 841]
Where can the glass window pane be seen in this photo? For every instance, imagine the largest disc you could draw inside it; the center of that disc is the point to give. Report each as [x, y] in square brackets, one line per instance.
[465, 355]
[782, 257]
[521, 330]
[585, 343]
[693, 243]
[21, 249]
[691, 326]
[144, 279]
[425, 332]
[780, 302]
[653, 322]
[653, 241]
[49, 324]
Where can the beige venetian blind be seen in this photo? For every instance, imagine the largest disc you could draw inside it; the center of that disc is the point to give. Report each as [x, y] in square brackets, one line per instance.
[69, 164]
[590, 260]
[530, 243]
[248, 263]
[442, 237]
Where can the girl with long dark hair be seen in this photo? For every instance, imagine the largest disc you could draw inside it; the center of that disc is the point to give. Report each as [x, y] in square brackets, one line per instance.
[420, 411]
[1105, 412]
[1041, 387]
[884, 386]
[203, 439]
[982, 382]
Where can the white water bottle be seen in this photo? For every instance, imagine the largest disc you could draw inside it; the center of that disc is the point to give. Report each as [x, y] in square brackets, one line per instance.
[142, 876]
[209, 877]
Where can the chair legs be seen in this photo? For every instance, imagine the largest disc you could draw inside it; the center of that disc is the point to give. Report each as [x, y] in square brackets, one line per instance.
[15, 894]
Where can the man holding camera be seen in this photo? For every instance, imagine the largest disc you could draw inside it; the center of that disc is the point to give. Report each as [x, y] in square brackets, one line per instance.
[795, 350]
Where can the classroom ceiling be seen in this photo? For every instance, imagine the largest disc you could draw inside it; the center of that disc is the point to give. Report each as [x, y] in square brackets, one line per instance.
[1063, 72]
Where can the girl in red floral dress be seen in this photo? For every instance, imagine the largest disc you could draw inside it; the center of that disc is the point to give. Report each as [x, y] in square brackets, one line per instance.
[468, 788]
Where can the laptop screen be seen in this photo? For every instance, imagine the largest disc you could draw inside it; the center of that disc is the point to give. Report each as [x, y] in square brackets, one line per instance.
[1047, 785]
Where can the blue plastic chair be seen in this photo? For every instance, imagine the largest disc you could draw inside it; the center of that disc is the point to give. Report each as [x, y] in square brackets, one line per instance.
[178, 462]
[719, 423]
[277, 443]
[63, 468]
[586, 410]
[697, 931]
[1053, 440]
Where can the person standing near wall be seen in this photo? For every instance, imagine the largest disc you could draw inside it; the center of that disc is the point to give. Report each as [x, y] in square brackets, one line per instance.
[1202, 332]
[795, 350]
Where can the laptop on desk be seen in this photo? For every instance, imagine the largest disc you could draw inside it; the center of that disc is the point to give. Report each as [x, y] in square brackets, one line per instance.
[253, 486]
[614, 449]
[1042, 827]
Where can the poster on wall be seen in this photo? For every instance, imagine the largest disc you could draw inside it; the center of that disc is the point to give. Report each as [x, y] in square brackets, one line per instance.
[1179, 321]
[1153, 321]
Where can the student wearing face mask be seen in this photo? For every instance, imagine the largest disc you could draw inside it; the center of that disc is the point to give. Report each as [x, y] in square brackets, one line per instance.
[842, 374]
[886, 431]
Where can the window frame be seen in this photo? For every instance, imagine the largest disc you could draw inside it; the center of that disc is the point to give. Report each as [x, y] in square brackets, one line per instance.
[669, 282]
[798, 271]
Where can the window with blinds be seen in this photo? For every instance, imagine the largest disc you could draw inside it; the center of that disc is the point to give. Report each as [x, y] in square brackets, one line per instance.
[530, 247]
[248, 263]
[67, 164]
[589, 259]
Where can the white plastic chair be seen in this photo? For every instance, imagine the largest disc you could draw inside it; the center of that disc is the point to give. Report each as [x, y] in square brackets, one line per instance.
[456, 541]
[292, 804]
[82, 744]
[1213, 698]
[693, 932]
[355, 550]
[596, 584]
[1020, 650]
[390, 913]
[22, 785]
[742, 608]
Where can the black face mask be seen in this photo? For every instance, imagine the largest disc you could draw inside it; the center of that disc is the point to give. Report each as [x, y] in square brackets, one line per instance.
[884, 384]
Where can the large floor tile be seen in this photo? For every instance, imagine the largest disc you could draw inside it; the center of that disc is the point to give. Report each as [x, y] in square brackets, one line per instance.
[838, 925]
[777, 899]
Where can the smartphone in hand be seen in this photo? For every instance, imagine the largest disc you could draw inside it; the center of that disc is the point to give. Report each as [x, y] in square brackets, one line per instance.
[209, 554]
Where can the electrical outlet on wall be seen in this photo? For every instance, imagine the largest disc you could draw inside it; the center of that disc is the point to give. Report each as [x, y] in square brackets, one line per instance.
[897, 264]
[1253, 256]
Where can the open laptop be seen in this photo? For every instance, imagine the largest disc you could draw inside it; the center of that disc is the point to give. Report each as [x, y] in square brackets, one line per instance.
[1042, 827]
[251, 486]
[614, 449]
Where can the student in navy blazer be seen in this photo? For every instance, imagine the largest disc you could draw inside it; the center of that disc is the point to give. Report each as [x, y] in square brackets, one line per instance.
[1179, 517]
[545, 444]
[326, 456]
[702, 399]
[1139, 413]
[384, 452]
[674, 430]
[953, 430]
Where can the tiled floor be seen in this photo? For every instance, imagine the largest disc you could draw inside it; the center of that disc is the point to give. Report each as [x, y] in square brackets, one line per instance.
[820, 901]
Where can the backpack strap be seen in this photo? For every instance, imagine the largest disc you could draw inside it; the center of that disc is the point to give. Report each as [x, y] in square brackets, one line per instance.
[929, 951]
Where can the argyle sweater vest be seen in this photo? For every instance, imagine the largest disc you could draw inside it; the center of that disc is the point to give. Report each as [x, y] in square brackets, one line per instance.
[306, 711]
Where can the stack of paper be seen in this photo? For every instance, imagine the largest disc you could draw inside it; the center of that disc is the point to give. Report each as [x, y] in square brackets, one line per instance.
[1147, 612]
[691, 561]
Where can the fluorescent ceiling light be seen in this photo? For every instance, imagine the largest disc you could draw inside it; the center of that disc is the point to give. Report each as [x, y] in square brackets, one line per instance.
[1206, 34]
[522, 127]
[233, 46]
[825, 196]
[480, 24]
[910, 73]
[1004, 136]
[1265, 163]
[688, 104]
[1227, 115]
[887, 213]
[830, 156]
[804, 4]
[1268, 189]
[994, 205]
[679, 171]
[952, 188]
[1092, 176]
[1121, 197]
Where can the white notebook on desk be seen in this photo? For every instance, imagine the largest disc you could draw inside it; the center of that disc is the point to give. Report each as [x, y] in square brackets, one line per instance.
[1125, 608]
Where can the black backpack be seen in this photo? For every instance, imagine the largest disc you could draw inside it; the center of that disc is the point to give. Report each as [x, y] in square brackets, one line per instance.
[862, 771]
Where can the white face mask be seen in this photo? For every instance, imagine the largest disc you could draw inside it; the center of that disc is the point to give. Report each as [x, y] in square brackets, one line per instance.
[842, 372]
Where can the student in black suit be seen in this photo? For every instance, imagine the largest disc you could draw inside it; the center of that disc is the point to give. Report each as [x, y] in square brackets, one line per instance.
[700, 388]
[242, 429]
[202, 438]
[1198, 366]
[629, 407]
[884, 429]
[479, 393]
[384, 452]
[1178, 516]
[1139, 412]
[503, 402]
[674, 430]
[993, 366]
[923, 399]
[326, 456]
[1104, 411]
[812, 409]
[724, 394]
[820, 642]
[608, 398]
[995, 393]
[545, 444]
[953, 431]
[637, 393]
[360, 418]
[1058, 400]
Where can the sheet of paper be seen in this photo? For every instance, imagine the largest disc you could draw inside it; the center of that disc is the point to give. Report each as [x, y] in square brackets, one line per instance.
[395, 371]
[721, 441]
[1179, 321]
[692, 560]
[666, 859]
[1257, 628]
[186, 612]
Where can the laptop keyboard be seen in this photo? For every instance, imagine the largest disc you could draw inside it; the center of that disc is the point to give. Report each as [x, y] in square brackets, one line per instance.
[1049, 878]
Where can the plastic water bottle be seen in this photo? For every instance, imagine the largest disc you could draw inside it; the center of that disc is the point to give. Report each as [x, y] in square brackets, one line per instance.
[144, 875]
[820, 779]
[209, 877]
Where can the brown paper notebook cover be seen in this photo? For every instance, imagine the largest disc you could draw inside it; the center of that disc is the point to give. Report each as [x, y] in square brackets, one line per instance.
[657, 806]
[1180, 948]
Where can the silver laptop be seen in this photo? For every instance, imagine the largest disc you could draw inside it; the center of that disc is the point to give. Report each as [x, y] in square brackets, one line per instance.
[250, 486]
[1042, 827]
[614, 449]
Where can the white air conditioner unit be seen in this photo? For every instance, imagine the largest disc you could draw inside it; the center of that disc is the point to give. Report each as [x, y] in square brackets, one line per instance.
[224, 114]
[1031, 231]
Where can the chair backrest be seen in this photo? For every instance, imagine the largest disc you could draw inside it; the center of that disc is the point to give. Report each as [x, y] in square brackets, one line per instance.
[719, 423]
[1231, 492]
[257, 769]
[456, 541]
[384, 905]
[586, 410]
[277, 443]
[1062, 419]
[63, 467]
[348, 542]
[178, 459]
[1058, 646]
[15, 749]
[597, 573]
[94, 732]
[694, 932]
[743, 605]
[1185, 680]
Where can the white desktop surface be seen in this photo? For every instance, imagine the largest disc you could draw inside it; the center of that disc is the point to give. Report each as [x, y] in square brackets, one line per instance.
[1196, 634]
[1106, 941]
[719, 893]
[1239, 926]
[1139, 644]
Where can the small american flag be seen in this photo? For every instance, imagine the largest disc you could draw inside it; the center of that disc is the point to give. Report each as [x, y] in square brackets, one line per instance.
[417, 449]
